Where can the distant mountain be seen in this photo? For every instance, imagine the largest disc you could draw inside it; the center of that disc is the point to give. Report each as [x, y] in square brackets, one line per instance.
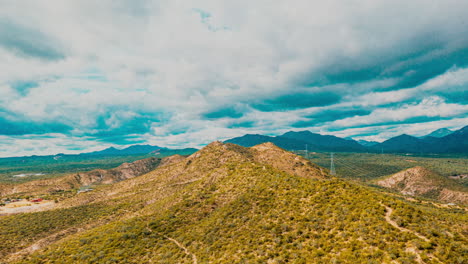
[454, 142]
[401, 143]
[132, 150]
[366, 143]
[325, 142]
[441, 132]
[299, 140]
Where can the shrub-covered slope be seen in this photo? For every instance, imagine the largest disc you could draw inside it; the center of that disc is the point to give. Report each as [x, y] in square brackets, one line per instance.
[229, 204]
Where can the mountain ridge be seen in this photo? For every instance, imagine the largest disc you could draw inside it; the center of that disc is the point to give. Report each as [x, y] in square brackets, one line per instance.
[455, 142]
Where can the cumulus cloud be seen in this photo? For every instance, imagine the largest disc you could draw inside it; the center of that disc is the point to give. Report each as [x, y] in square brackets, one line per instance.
[177, 73]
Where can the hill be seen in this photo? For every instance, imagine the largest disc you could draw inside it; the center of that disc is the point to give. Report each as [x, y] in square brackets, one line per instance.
[75, 181]
[23, 169]
[227, 203]
[419, 181]
[250, 140]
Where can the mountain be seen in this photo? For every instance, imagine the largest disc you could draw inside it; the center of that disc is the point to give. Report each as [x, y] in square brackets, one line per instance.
[131, 150]
[401, 143]
[366, 143]
[419, 181]
[325, 142]
[454, 142]
[299, 140]
[231, 204]
[441, 132]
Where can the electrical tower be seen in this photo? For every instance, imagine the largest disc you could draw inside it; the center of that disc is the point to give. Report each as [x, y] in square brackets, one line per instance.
[332, 165]
[307, 152]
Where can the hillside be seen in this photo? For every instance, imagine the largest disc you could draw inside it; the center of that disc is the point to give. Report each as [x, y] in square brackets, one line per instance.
[24, 169]
[230, 204]
[419, 181]
[74, 181]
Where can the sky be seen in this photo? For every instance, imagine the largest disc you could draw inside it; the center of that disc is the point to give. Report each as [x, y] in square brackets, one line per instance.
[79, 76]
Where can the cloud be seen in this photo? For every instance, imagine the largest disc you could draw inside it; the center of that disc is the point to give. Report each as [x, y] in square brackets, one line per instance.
[224, 112]
[18, 127]
[329, 115]
[27, 42]
[428, 109]
[297, 100]
[23, 87]
[180, 73]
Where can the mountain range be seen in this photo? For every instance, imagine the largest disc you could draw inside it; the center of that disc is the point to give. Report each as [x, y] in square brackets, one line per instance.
[439, 141]
[136, 149]
[442, 140]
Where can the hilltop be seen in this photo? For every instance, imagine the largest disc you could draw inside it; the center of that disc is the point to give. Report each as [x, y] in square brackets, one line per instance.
[227, 203]
[419, 181]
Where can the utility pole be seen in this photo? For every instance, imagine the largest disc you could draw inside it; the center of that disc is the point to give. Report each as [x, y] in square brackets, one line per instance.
[307, 152]
[332, 165]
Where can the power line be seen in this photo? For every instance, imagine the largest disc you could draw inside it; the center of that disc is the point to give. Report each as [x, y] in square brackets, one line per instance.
[332, 165]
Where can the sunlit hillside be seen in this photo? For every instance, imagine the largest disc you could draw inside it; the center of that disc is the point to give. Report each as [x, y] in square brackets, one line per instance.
[230, 204]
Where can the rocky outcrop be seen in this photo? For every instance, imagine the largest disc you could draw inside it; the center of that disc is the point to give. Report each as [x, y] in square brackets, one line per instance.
[123, 172]
[419, 181]
[268, 153]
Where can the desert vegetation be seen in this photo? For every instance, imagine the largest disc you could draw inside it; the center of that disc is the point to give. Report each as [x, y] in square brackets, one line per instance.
[223, 205]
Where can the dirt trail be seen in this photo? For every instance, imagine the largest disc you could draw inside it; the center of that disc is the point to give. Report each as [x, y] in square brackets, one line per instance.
[410, 249]
[388, 213]
[413, 250]
[187, 252]
[42, 243]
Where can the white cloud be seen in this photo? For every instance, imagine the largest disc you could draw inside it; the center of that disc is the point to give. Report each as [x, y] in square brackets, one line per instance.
[161, 58]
